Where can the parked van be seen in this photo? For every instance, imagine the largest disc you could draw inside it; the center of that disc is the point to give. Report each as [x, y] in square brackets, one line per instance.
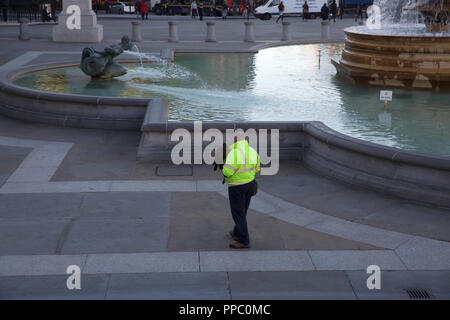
[291, 7]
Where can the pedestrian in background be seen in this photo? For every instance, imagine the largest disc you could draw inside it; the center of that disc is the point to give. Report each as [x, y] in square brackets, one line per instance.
[249, 9]
[193, 9]
[305, 10]
[224, 10]
[360, 12]
[281, 10]
[138, 8]
[200, 11]
[324, 12]
[44, 15]
[144, 10]
[107, 10]
[341, 8]
[333, 10]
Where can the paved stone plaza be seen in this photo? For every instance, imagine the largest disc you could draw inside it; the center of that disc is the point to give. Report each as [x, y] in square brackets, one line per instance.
[151, 230]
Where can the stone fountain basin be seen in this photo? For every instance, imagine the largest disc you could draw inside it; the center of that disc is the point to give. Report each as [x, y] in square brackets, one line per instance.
[406, 174]
[69, 110]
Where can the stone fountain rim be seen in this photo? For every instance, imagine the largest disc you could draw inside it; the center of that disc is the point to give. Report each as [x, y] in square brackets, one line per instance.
[358, 30]
[6, 83]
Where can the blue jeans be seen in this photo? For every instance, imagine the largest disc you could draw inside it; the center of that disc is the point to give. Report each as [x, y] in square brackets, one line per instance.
[240, 197]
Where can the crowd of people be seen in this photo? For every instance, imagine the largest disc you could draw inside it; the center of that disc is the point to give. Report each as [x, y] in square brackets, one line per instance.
[329, 11]
[333, 11]
[141, 8]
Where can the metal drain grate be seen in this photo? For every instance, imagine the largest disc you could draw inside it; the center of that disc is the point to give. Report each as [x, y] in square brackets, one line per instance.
[418, 294]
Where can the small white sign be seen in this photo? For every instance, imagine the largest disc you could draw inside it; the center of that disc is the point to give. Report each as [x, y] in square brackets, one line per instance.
[385, 95]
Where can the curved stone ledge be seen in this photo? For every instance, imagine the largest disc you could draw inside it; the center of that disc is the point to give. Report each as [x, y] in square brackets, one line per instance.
[325, 134]
[409, 175]
[69, 109]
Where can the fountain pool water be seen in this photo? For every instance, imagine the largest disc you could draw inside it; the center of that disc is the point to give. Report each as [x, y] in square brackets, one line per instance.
[291, 83]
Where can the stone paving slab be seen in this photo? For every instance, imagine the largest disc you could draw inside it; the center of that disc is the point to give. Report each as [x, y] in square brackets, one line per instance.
[42, 158]
[269, 200]
[41, 163]
[298, 238]
[36, 206]
[174, 171]
[129, 205]
[26, 57]
[31, 265]
[93, 287]
[413, 219]
[157, 186]
[142, 263]
[356, 260]
[3, 178]
[362, 233]
[212, 185]
[289, 285]
[425, 254]
[32, 237]
[10, 159]
[56, 187]
[255, 261]
[106, 161]
[325, 195]
[353, 203]
[26, 175]
[295, 189]
[205, 286]
[101, 235]
[201, 221]
[299, 216]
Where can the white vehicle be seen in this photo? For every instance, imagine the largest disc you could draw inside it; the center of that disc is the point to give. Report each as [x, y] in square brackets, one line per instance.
[154, 2]
[291, 7]
[129, 8]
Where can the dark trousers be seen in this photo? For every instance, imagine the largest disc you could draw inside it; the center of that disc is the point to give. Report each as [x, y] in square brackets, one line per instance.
[240, 197]
[280, 17]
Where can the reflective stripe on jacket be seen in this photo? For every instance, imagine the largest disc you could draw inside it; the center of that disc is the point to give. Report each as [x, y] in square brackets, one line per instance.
[241, 164]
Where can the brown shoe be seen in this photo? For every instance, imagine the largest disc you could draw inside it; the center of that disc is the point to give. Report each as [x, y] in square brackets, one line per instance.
[231, 233]
[238, 245]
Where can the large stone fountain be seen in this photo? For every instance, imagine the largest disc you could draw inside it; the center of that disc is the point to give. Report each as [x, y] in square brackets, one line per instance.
[410, 47]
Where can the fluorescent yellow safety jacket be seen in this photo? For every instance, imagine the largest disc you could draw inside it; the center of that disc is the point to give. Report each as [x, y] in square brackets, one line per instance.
[241, 165]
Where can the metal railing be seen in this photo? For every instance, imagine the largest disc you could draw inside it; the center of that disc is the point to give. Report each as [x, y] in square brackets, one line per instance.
[32, 12]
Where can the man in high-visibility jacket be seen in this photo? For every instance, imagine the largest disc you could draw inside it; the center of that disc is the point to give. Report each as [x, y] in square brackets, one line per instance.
[241, 165]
